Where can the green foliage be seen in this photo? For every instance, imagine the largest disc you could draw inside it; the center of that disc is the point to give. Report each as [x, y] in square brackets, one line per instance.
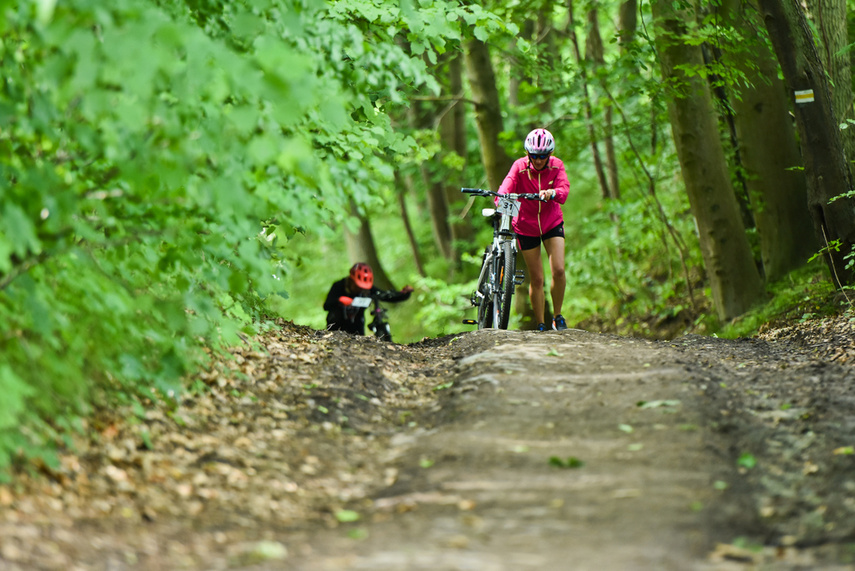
[622, 263]
[803, 294]
[157, 159]
[442, 306]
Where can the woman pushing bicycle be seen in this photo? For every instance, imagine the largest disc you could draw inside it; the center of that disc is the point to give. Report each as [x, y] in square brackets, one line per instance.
[541, 173]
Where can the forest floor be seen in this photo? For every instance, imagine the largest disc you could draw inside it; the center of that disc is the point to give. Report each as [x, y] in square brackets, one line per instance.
[488, 450]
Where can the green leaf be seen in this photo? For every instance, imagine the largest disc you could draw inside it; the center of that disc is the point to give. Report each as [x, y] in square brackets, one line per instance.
[746, 460]
[570, 462]
[146, 440]
[347, 516]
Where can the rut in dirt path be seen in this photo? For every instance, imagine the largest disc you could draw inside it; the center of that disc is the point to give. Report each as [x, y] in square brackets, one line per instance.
[564, 450]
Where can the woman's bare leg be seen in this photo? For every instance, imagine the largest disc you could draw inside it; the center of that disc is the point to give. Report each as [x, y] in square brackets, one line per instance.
[534, 266]
[555, 251]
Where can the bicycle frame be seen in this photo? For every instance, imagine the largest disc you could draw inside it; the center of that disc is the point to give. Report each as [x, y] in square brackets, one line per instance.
[498, 274]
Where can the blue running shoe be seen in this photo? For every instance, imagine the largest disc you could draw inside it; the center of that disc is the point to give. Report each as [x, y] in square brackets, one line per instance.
[559, 323]
[541, 326]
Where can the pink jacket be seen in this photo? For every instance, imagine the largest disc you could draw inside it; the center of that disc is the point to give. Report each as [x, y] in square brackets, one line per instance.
[536, 218]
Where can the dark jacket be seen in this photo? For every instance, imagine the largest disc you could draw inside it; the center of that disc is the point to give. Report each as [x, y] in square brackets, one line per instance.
[349, 318]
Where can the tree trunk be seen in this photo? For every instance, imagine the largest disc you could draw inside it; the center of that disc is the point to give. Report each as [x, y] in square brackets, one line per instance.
[627, 23]
[595, 53]
[439, 212]
[452, 128]
[775, 185]
[831, 26]
[423, 116]
[713, 56]
[404, 184]
[734, 279]
[488, 113]
[360, 248]
[825, 161]
[589, 114]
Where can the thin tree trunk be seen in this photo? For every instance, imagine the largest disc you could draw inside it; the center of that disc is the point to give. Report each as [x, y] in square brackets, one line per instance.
[627, 23]
[423, 117]
[452, 128]
[488, 113]
[439, 212]
[595, 52]
[825, 161]
[733, 275]
[589, 114]
[712, 56]
[405, 184]
[360, 248]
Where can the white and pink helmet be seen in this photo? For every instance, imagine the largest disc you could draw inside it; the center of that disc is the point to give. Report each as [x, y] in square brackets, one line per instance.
[539, 142]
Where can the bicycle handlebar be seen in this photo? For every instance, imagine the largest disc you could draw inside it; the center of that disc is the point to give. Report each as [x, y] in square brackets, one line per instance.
[482, 192]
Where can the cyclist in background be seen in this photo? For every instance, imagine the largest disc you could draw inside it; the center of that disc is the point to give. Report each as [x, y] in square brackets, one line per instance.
[540, 172]
[341, 314]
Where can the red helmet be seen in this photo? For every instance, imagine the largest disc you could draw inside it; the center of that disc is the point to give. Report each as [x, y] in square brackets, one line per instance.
[362, 275]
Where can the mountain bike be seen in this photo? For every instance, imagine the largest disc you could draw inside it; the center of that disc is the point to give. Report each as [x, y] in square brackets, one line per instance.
[498, 275]
[379, 326]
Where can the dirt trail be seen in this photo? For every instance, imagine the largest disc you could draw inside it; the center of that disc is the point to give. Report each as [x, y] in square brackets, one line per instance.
[494, 486]
[492, 450]
[581, 451]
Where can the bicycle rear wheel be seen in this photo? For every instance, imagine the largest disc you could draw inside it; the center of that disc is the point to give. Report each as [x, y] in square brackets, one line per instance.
[506, 282]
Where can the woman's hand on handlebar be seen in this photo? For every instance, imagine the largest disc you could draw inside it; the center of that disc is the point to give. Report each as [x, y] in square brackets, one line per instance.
[547, 194]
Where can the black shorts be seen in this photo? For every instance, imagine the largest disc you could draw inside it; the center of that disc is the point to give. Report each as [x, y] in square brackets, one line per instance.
[530, 242]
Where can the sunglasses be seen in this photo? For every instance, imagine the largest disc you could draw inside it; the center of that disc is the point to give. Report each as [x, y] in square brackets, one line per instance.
[538, 157]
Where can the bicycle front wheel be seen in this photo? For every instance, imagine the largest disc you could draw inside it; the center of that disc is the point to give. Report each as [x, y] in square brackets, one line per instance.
[485, 301]
[506, 291]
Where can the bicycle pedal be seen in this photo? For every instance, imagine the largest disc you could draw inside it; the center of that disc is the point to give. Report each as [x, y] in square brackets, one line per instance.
[470, 322]
[519, 277]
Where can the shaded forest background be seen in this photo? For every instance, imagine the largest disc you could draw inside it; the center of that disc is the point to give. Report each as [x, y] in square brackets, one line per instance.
[178, 174]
